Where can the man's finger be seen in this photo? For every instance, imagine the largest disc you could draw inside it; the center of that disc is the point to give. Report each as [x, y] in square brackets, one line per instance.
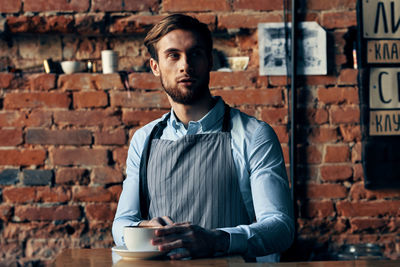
[167, 220]
[179, 243]
[173, 229]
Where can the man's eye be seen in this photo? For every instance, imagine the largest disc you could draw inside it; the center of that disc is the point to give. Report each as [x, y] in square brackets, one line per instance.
[173, 55]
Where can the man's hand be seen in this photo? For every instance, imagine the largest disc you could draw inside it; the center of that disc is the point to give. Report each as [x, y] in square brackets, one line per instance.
[197, 241]
[157, 221]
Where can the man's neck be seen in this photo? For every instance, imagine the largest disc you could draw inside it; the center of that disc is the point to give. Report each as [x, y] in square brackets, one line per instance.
[193, 112]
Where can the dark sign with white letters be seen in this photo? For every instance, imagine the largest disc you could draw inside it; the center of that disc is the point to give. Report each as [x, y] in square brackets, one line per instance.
[379, 73]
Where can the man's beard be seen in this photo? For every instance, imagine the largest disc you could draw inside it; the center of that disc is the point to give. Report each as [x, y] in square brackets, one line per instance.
[189, 96]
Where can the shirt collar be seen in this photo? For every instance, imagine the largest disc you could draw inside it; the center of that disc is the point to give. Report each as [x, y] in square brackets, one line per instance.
[209, 121]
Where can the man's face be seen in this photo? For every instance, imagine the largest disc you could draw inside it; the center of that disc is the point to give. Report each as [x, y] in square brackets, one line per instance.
[183, 66]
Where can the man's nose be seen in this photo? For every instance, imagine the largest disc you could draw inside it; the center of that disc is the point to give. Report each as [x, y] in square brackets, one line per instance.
[186, 64]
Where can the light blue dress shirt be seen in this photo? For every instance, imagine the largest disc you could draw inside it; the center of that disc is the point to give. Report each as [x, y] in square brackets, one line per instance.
[262, 179]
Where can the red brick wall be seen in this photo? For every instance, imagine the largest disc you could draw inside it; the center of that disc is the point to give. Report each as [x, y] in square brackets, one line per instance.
[64, 138]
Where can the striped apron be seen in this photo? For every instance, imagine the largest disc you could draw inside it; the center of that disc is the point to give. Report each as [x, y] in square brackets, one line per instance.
[192, 179]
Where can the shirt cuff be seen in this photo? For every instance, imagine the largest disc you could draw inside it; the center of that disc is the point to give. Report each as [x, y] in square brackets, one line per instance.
[237, 242]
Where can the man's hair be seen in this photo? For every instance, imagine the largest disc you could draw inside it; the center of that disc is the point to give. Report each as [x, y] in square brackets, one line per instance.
[177, 22]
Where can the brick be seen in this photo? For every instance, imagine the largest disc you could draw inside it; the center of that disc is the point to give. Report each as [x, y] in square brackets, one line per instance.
[144, 80]
[100, 212]
[133, 23]
[368, 208]
[110, 137]
[6, 80]
[340, 19]
[282, 133]
[345, 114]
[128, 5]
[207, 18]
[285, 152]
[91, 194]
[278, 80]
[9, 176]
[140, 117]
[41, 24]
[89, 23]
[337, 153]
[249, 111]
[259, 5]
[329, 191]
[37, 177]
[323, 135]
[79, 156]
[106, 175]
[358, 172]
[19, 194]
[90, 81]
[105, 5]
[22, 157]
[115, 191]
[39, 118]
[359, 192]
[6, 213]
[154, 99]
[90, 99]
[201, 5]
[333, 4]
[274, 97]
[319, 209]
[42, 82]
[240, 20]
[313, 116]
[43, 229]
[237, 79]
[52, 194]
[46, 248]
[10, 251]
[274, 115]
[312, 80]
[59, 212]
[362, 224]
[100, 118]
[309, 154]
[10, 137]
[10, 6]
[356, 153]
[338, 95]
[11, 119]
[348, 77]
[58, 137]
[333, 173]
[350, 133]
[71, 176]
[36, 100]
[145, 5]
[56, 5]
[119, 155]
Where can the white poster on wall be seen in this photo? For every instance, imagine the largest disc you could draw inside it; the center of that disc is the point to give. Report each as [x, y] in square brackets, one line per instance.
[274, 54]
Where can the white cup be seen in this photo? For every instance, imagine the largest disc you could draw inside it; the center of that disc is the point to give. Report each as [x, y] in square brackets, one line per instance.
[109, 61]
[139, 238]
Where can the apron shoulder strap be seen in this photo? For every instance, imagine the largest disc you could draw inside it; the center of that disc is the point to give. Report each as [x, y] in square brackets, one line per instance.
[226, 124]
[144, 199]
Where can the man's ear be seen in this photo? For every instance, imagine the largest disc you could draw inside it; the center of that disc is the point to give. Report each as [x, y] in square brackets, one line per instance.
[154, 67]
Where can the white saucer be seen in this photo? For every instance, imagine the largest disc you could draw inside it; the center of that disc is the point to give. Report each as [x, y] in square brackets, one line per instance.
[135, 255]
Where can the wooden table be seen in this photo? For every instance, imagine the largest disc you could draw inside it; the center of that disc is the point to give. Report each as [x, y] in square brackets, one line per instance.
[102, 257]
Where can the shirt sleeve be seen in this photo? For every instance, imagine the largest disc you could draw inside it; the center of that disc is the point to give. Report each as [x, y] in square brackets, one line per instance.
[273, 230]
[128, 210]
